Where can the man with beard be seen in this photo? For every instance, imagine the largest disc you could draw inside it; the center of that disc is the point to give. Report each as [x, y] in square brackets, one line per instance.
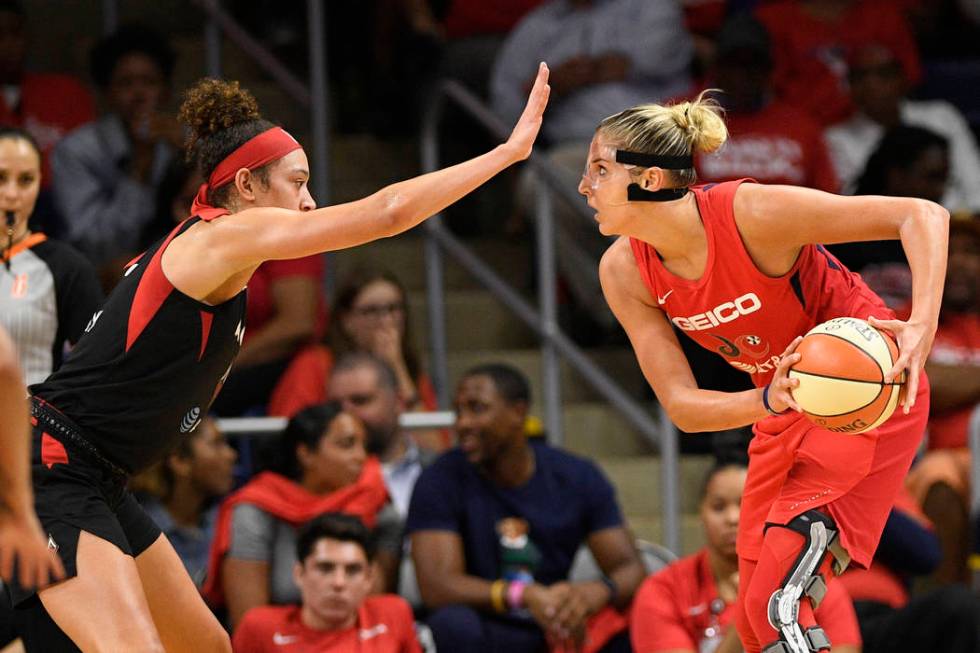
[367, 388]
[333, 572]
[495, 524]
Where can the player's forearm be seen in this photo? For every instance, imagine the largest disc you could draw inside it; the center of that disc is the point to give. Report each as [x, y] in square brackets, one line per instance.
[925, 236]
[15, 487]
[696, 410]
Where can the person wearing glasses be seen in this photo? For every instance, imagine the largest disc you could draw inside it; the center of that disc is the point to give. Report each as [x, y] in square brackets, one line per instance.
[369, 314]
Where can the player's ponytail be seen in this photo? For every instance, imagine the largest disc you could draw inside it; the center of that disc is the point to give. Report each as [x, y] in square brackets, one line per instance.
[220, 116]
[681, 129]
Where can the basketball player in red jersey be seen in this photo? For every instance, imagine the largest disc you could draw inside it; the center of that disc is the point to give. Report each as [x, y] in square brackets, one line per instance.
[737, 267]
[153, 359]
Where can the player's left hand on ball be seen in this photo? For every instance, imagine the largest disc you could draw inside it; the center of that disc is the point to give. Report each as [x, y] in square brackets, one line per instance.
[781, 386]
[914, 341]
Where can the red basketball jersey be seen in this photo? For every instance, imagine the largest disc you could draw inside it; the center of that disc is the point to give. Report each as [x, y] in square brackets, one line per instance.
[746, 316]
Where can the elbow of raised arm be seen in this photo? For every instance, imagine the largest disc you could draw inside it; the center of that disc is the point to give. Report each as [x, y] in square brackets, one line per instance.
[394, 214]
[935, 215]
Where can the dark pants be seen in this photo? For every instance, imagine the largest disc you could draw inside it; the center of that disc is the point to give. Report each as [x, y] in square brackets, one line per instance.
[461, 628]
[946, 619]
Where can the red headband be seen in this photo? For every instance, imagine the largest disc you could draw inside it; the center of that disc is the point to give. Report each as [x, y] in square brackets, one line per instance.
[268, 146]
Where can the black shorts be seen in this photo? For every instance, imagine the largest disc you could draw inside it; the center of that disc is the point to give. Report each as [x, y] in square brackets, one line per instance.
[77, 489]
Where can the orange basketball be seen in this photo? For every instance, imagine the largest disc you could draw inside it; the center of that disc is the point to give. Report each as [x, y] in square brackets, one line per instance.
[841, 373]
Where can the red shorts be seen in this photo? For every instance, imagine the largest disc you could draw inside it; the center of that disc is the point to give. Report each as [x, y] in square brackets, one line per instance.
[795, 466]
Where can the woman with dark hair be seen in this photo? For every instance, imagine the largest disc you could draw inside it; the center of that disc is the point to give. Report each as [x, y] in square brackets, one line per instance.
[48, 291]
[322, 467]
[369, 313]
[148, 369]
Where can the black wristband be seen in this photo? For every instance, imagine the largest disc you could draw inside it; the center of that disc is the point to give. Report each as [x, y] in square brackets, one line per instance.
[765, 402]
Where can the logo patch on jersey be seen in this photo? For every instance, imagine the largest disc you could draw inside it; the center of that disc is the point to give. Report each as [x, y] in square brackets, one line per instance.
[52, 545]
[130, 269]
[371, 633]
[191, 420]
[91, 322]
[720, 314]
[240, 333]
[19, 287]
[663, 300]
[282, 640]
[758, 368]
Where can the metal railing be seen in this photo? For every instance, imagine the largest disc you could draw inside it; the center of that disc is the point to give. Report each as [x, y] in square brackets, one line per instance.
[312, 95]
[268, 426]
[544, 322]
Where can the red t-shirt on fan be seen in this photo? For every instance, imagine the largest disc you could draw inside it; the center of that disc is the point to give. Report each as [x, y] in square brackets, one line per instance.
[736, 310]
[779, 144]
[384, 625]
[678, 608]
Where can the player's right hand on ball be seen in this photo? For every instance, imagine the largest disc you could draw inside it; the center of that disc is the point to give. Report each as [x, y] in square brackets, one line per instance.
[781, 386]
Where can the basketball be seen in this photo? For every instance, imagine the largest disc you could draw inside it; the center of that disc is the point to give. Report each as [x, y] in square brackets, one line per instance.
[841, 373]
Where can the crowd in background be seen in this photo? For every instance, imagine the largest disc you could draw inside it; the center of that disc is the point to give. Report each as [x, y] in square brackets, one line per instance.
[481, 529]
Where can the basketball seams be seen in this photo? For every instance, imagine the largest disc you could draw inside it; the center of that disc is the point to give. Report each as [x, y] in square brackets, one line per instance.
[852, 410]
[860, 349]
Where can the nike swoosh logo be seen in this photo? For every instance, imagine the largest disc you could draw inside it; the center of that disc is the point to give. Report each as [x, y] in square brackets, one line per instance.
[281, 640]
[664, 298]
[370, 633]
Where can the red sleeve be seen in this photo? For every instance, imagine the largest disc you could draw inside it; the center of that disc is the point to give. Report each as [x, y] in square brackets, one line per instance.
[655, 617]
[308, 266]
[248, 636]
[836, 616]
[821, 170]
[406, 627]
[304, 383]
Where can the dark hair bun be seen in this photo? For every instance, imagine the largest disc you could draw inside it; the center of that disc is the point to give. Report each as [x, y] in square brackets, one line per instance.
[213, 105]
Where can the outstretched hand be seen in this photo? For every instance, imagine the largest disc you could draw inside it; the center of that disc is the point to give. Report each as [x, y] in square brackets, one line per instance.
[526, 130]
[914, 342]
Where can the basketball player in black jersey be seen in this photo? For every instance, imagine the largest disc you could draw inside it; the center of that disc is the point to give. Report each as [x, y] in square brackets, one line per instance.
[153, 359]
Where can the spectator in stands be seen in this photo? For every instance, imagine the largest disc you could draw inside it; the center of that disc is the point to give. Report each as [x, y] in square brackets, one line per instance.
[106, 172]
[336, 615]
[770, 140]
[689, 606]
[879, 87]
[46, 105]
[940, 481]
[366, 387]
[370, 313]
[812, 42]
[189, 483]
[323, 467]
[495, 524]
[48, 291]
[470, 32]
[944, 619]
[908, 162]
[604, 56]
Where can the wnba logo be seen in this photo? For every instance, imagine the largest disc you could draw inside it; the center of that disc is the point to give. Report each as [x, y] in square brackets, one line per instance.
[720, 314]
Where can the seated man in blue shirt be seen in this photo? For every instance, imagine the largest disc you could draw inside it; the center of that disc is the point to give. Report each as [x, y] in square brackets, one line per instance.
[495, 524]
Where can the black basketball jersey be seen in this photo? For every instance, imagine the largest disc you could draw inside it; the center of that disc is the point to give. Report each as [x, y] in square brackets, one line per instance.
[149, 365]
